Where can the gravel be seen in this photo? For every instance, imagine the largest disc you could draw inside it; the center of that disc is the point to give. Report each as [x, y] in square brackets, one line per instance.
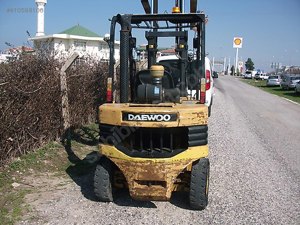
[251, 181]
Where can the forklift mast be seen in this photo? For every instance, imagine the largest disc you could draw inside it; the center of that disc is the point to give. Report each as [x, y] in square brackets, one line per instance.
[176, 25]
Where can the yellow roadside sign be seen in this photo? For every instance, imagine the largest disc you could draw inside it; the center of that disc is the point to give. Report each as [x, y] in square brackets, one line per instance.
[237, 42]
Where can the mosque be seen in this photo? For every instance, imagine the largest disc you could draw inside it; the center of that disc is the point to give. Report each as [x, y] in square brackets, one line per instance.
[75, 39]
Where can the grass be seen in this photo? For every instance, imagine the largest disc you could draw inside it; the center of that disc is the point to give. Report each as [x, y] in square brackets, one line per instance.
[289, 94]
[12, 205]
[51, 159]
[36, 160]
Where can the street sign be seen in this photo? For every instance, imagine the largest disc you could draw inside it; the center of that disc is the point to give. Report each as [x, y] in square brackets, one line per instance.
[237, 42]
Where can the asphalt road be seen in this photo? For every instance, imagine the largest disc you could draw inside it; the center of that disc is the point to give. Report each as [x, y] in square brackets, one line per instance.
[254, 140]
[255, 155]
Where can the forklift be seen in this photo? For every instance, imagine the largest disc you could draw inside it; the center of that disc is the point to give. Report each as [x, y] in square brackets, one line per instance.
[153, 140]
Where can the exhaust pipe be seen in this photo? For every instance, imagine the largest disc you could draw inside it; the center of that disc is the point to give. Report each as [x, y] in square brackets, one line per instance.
[124, 53]
[182, 6]
[193, 6]
[154, 6]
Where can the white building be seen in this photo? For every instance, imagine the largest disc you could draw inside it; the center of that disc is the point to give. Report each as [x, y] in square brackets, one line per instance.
[13, 53]
[4, 57]
[77, 38]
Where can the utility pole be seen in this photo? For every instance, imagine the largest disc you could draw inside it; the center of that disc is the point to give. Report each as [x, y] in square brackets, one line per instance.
[228, 66]
[236, 60]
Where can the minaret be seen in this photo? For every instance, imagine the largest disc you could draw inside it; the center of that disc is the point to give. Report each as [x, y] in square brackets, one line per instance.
[40, 16]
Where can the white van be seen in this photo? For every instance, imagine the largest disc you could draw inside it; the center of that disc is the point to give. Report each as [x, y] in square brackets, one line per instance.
[249, 74]
[209, 80]
[261, 76]
[209, 85]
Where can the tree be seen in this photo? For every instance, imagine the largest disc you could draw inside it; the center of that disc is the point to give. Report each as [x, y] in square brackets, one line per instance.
[249, 64]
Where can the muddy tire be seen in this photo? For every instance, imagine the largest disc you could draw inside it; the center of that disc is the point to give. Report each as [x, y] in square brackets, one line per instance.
[199, 184]
[103, 180]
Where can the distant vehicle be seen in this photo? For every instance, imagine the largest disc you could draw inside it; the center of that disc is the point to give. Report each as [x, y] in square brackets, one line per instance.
[260, 76]
[297, 87]
[265, 76]
[289, 81]
[248, 75]
[215, 74]
[257, 76]
[273, 80]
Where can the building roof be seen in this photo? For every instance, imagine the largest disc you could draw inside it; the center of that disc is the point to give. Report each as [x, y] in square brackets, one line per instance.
[76, 32]
[79, 31]
[24, 49]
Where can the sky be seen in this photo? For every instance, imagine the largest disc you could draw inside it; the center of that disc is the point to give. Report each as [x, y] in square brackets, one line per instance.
[269, 28]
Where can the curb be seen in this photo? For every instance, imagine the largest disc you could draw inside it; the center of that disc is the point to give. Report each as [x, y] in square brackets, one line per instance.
[291, 101]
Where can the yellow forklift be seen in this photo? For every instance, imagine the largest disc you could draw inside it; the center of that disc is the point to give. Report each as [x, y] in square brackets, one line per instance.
[153, 141]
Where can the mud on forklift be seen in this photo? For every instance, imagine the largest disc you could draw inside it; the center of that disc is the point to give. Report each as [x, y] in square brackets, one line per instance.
[154, 140]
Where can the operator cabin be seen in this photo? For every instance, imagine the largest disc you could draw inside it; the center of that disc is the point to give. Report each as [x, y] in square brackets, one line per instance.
[79, 39]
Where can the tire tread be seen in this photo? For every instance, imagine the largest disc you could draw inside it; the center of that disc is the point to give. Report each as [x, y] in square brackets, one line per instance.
[102, 180]
[199, 176]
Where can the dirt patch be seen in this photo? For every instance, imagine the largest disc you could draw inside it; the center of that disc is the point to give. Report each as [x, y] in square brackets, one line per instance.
[44, 189]
[47, 190]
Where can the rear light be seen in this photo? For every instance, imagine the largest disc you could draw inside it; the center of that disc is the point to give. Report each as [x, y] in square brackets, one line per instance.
[202, 97]
[207, 75]
[202, 91]
[109, 90]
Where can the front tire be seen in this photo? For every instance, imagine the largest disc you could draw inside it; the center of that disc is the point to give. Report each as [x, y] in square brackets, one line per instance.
[199, 184]
[103, 180]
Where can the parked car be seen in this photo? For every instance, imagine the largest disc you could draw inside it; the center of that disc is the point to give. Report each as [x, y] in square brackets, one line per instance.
[273, 80]
[265, 76]
[261, 76]
[297, 87]
[257, 76]
[248, 75]
[289, 81]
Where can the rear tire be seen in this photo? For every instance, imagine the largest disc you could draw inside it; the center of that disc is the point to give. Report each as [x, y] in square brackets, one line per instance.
[103, 180]
[199, 184]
